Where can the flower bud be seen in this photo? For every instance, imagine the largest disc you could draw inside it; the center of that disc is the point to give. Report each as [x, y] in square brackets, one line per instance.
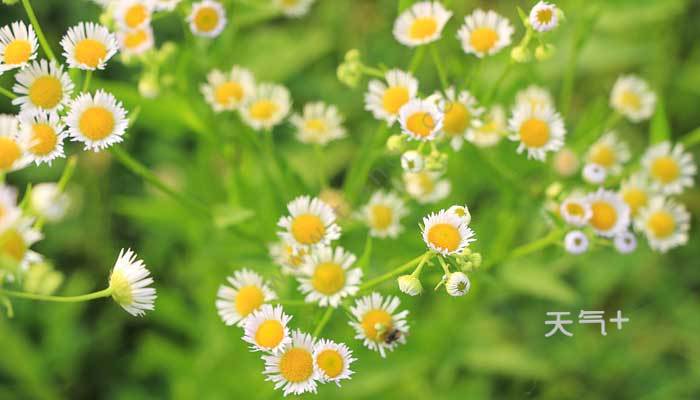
[412, 161]
[476, 259]
[544, 53]
[396, 143]
[520, 54]
[410, 285]
[148, 86]
[352, 55]
[457, 284]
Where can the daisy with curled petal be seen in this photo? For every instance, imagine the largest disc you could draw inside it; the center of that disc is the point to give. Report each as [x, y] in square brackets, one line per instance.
[534, 96]
[320, 124]
[420, 120]
[290, 258]
[544, 16]
[665, 223]
[610, 215]
[539, 130]
[294, 8]
[42, 86]
[137, 41]
[228, 90]
[266, 329]
[576, 242]
[492, 128]
[484, 33]
[133, 14]
[97, 121]
[669, 167]
[44, 133]
[609, 152]
[332, 361]
[383, 214]
[421, 23]
[207, 18]
[292, 368]
[130, 284]
[575, 210]
[636, 192]
[375, 318]
[385, 100]
[18, 45]
[327, 276]
[88, 46]
[247, 293]
[311, 222]
[461, 115]
[446, 233]
[426, 186]
[632, 97]
[13, 149]
[267, 106]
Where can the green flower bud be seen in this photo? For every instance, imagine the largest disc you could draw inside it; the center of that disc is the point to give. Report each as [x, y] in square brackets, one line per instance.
[410, 285]
[476, 259]
[396, 143]
[352, 56]
[520, 54]
[543, 53]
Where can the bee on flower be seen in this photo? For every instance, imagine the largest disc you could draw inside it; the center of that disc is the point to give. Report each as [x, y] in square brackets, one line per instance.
[320, 124]
[130, 283]
[267, 106]
[89, 46]
[247, 293]
[420, 120]
[422, 23]
[544, 16]
[327, 276]
[609, 152]
[293, 368]
[665, 223]
[539, 130]
[485, 33]
[18, 45]
[42, 86]
[461, 115]
[426, 186]
[446, 233]
[98, 121]
[332, 361]
[377, 323]
[227, 91]
[310, 223]
[385, 100]
[632, 97]
[383, 214]
[294, 8]
[207, 18]
[492, 128]
[669, 167]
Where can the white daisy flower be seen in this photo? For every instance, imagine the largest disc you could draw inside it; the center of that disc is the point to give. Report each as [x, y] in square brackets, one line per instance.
[97, 121]
[461, 212]
[130, 283]
[544, 16]
[228, 90]
[412, 161]
[385, 100]
[13, 147]
[383, 214]
[534, 96]
[594, 173]
[636, 192]
[538, 130]
[16, 239]
[332, 361]
[292, 368]
[610, 215]
[575, 211]
[294, 8]
[420, 120]
[576, 242]
[457, 284]
[632, 97]
[266, 329]
[88, 46]
[566, 162]
[47, 201]
[491, 130]
[376, 323]
[44, 133]
[461, 115]
[421, 23]
[311, 222]
[625, 242]
[609, 152]
[665, 223]
[165, 5]
[320, 124]
[42, 86]
[290, 258]
[207, 18]
[133, 14]
[327, 278]
[137, 41]
[670, 168]
[9, 212]
[426, 186]
[484, 33]
[247, 293]
[446, 233]
[268, 105]
[18, 45]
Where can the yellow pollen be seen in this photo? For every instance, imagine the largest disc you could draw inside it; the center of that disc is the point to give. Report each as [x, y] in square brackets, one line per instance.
[328, 278]
[46, 92]
[270, 333]
[483, 39]
[296, 365]
[135, 16]
[308, 229]
[90, 52]
[382, 216]
[206, 19]
[229, 93]
[457, 119]
[635, 198]
[394, 98]
[544, 16]
[13, 245]
[374, 318]
[135, 38]
[444, 236]
[248, 299]
[331, 362]
[420, 123]
[661, 224]
[665, 169]
[604, 215]
[96, 123]
[534, 133]
[423, 28]
[43, 140]
[316, 125]
[17, 52]
[263, 110]
[9, 153]
[602, 155]
[631, 100]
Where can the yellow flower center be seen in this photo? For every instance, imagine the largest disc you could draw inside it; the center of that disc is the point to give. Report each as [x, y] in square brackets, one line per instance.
[445, 236]
[308, 229]
[426, 182]
[602, 155]
[13, 245]
[328, 278]
[534, 133]
[9, 153]
[661, 224]
[270, 334]
[483, 39]
[382, 216]
[377, 319]
[631, 100]
[394, 98]
[248, 299]
[17, 52]
[423, 28]
[316, 125]
[544, 16]
[206, 19]
[665, 169]
[263, 110]
[46, 92]
[420, 123]
[296, 365]
[135, 16]
[135, 38]
[575, 209]
[121, 288]
[43, 140]
[457, 119]
[635, 198]
[230, 93]
[604, 215]
[330, 362]
[96, 123]
[90, 52]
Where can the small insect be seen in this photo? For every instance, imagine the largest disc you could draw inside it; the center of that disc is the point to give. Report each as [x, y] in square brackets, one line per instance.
[392, 336]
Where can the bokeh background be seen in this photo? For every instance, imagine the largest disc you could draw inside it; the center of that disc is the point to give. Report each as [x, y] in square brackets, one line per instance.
[489, 344]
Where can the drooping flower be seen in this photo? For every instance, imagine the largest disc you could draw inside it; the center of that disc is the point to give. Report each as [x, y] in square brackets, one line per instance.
[130, 283]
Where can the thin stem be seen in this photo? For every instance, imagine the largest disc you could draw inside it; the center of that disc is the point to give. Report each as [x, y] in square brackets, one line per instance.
[445, 267]
[59, 299]
[366, 253]
[442, 74]
[528, 248]
[396, 271]
[86, 82]
[494, 89]
[324, 321]
[375, 72]
[7, 93]
[322, 178]
[37, 29]
[417, 59]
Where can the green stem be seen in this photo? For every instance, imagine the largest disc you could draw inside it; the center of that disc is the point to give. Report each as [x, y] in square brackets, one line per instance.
[445, 267]
[7, 93]
[528, 248]
[691, 138]
[59, 299]
[86, 82]
[417, 59]
[324, 321]
[375, 72]
[494, 89]
[322, 178]
[442, 74]
[366, 253]
[37, 29]
[422, 259]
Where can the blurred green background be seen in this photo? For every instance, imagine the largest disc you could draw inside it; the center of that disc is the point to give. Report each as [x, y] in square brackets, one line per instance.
[489, 344]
